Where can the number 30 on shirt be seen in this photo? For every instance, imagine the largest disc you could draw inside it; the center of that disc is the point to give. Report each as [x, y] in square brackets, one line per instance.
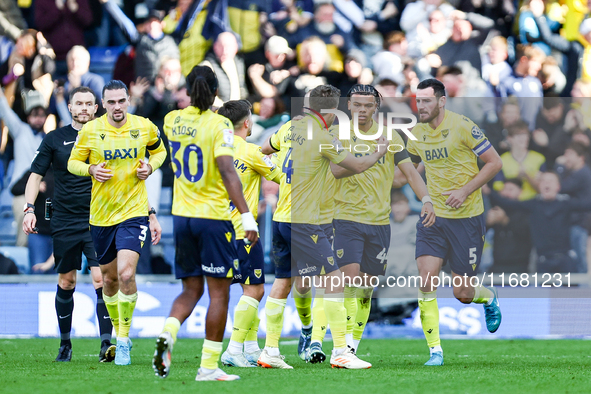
[191, 164]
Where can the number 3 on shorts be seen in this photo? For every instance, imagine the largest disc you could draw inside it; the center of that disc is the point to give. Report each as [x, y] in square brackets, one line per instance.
[142, 236]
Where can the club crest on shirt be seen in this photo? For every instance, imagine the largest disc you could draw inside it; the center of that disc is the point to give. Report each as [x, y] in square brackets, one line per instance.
[445, 133]
[258, 273]
[134, 133]
[340, 253]
[330, 260]
[476, 133]
[177, 119]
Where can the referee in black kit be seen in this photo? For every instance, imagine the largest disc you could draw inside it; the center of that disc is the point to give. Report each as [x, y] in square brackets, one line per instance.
[69, 224]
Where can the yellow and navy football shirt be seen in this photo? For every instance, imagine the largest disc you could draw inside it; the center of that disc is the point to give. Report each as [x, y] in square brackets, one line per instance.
[327, 203]
[365, 198]
[450, 154]
[196, 139]
[305, 164]
[124, 196]
[250, 165]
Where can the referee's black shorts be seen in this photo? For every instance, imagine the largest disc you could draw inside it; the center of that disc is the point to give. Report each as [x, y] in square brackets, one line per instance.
[70, 240]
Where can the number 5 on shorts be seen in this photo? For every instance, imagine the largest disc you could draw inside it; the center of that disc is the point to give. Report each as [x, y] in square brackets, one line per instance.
[473, 258]
[142, 236]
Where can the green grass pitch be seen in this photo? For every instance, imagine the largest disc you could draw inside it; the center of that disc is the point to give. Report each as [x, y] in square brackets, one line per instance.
[471, 366]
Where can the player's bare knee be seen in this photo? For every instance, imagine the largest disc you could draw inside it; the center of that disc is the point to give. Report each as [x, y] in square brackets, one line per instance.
[67, 281]
[255, 291]
[463, 295]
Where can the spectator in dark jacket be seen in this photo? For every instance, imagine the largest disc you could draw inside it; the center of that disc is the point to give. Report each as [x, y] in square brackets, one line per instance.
[150, 47]
[511, 242]
[63, 23]
[550, 223]
[575, 180]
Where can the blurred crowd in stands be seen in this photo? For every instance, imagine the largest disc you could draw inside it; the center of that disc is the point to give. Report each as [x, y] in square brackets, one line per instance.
[520, 69]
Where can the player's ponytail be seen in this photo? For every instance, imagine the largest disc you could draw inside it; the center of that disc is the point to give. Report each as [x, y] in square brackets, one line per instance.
[202, 86]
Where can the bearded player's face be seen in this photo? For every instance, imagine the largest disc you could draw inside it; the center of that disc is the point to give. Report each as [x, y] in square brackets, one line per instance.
[116, 102]
[83, 107]
[428, 105]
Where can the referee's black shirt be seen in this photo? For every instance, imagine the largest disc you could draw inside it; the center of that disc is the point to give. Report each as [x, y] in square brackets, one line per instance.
[71, 199]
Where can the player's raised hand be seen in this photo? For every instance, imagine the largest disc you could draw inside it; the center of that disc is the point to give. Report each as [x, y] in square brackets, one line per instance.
[155, 230]
[100, 173]
[456, 198]
[428, 214]
[144, 170]
[29, 223]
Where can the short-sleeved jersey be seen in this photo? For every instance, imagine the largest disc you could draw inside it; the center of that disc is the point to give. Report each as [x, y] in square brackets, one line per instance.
[450, 154]
[196, 139]
[71, 197]
[250, 165]
[304, 164]
[327, 204]
[365, 198]
[124, 196]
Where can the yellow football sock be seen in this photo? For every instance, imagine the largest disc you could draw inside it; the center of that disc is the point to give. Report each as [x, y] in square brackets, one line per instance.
[210, 354]
[363, 308]
[336, 315]
[112, 304]
[274, 312]
[430, 317]
[244, 315]
[254, 329]
[172, 325]
[126, 307]
[303, 303]
[351, 307]
[319, 317]
[482, 295]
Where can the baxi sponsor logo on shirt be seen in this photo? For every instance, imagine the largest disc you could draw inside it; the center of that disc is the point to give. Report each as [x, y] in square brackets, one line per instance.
[114, 154]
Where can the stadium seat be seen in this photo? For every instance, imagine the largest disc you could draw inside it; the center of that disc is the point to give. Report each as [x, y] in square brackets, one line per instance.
[19, 254]
[166, 224]
[5, 204]
[7, 231]
[165, 200]
[102, 60]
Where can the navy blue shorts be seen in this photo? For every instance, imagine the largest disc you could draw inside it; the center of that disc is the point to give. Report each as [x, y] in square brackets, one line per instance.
[328, 231]
[304, 244]
[130, 235]
[363, 244]
[252, 261]
[457, 241]
[204, 247]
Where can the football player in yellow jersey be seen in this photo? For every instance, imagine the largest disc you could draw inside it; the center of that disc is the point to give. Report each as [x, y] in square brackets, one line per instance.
[449, 144]
[202, 145]
[362, 210]
[114, 146]
[251, 166]
[297, 235]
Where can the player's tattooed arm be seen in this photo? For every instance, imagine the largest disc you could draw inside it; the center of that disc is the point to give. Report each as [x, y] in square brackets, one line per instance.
[420, 188]
[492, 166]
[234, 188]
